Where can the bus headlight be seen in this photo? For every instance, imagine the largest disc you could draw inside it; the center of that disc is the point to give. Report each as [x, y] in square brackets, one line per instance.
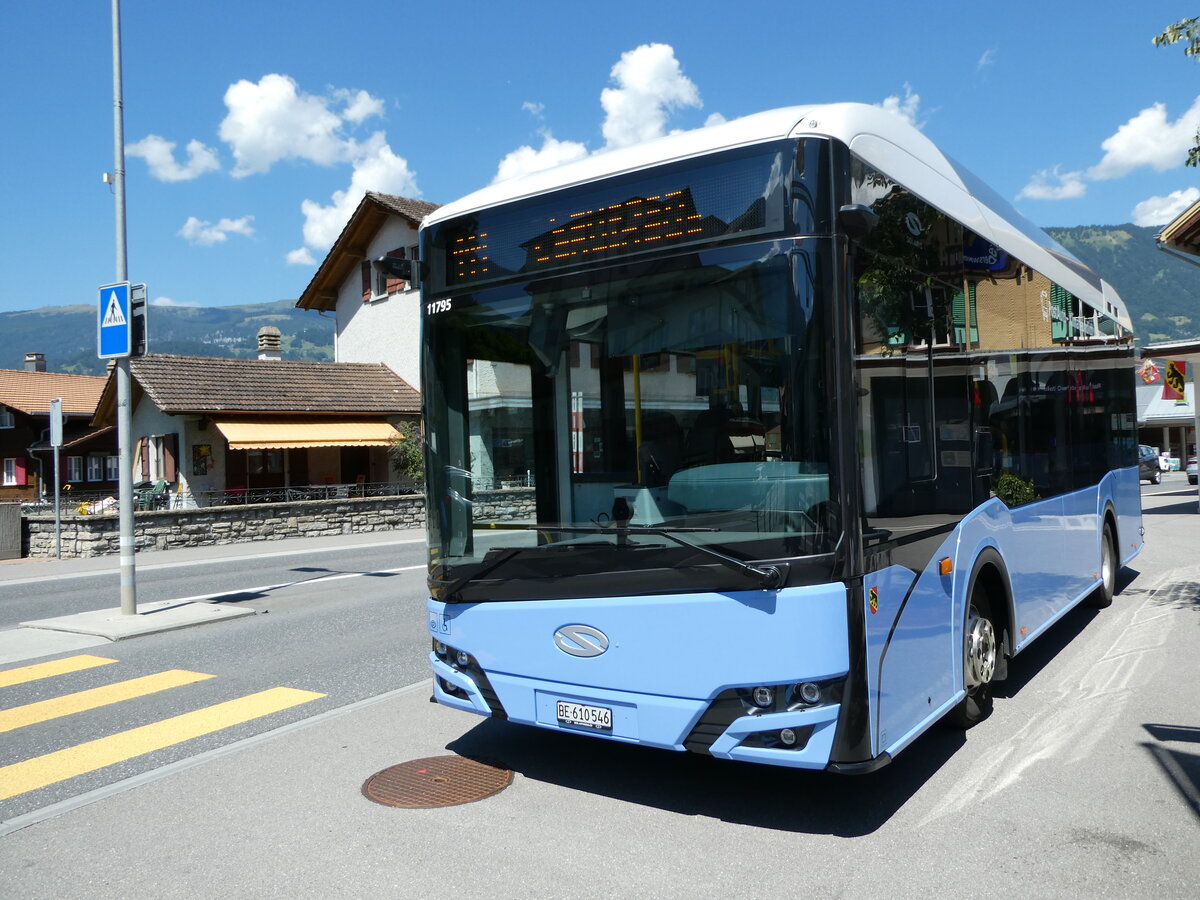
[763, 697]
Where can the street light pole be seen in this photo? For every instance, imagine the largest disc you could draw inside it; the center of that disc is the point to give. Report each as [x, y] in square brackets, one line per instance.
[121, 372]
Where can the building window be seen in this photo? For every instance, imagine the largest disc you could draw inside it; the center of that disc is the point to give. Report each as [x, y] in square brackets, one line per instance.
[74, 468]
[156, 457]
[10, 472]
[264, 462]
[95, 467]
[112, 468]
[6, 418]
[376, 285]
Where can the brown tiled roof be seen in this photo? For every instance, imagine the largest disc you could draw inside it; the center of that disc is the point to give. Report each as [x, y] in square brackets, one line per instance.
[31, 392]
[206, 384]
[351, 246]
[413, 210]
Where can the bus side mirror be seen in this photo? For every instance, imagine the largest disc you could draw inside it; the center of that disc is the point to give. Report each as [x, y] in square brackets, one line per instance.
[857, 220]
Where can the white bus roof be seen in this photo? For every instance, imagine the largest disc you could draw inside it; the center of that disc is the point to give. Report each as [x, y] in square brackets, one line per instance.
[880, 138]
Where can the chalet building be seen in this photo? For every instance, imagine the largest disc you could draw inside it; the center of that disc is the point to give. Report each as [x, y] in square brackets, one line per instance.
[377, 319]
[213, 430]
[88, 456]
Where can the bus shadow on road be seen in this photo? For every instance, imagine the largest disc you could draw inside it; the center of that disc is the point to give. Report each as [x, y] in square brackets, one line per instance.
[690, 784]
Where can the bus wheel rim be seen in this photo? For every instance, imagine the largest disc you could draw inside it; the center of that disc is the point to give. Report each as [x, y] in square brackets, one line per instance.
[981, 650]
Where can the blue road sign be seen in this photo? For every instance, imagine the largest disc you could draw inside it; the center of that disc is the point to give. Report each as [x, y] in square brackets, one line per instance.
[115, 338]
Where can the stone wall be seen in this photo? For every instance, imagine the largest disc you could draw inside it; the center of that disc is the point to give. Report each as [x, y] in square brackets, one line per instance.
[171, 529]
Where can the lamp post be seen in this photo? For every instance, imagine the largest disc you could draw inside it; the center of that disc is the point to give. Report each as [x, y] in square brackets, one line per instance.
[121, 372]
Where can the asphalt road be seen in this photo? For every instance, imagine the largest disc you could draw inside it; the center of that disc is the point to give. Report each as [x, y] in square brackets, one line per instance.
[1085, 782]
[344, 622]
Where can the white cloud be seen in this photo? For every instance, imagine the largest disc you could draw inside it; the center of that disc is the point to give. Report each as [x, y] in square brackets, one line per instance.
[205, 234]
[159, 154]
[1148, 139]
[359, 105]
[301, 257]
[906, 108]
[526, 159]
[167, 301]
[274, 120]
[714, 119]
[1161, 210]
[650, 84]
[987, 59]
[379, 169]
[1051, 184]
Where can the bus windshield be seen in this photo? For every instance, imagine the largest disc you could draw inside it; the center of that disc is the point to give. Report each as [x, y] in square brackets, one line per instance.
[685, 396]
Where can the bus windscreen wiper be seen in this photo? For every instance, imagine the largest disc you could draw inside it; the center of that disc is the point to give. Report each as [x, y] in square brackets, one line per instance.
[769, 577]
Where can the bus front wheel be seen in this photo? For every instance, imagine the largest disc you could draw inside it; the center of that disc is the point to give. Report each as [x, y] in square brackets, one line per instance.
[980, 653]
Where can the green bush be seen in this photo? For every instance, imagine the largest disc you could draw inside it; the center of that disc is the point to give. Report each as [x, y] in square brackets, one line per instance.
[1014, 490]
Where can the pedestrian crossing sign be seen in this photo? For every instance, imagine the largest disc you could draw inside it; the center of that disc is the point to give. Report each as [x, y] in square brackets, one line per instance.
[115, 335]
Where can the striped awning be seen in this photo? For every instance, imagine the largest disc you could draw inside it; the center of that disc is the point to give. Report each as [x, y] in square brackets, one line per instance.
[294, 435]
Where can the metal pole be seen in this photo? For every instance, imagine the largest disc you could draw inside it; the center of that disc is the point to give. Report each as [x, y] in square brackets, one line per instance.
[121, 372]
[57, 508]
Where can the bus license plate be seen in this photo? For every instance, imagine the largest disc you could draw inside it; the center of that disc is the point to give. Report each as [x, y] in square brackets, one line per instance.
[598, 717]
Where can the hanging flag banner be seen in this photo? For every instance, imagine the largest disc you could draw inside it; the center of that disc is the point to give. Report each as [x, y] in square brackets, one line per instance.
[1149, 372]
[1174, 381]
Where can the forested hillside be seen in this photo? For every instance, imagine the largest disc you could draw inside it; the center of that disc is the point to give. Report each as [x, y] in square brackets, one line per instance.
[1161, 291]
[67, 334]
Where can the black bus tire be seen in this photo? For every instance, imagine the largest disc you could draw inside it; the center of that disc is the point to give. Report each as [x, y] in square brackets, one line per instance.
[981, 651]
[1102, 597]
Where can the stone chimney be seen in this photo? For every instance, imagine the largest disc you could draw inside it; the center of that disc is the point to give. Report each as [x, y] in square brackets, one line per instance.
[270, 344]
[35, 362]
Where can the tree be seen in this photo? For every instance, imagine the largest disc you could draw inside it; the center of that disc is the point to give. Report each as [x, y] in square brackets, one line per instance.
[1185, 30]
[406, 453]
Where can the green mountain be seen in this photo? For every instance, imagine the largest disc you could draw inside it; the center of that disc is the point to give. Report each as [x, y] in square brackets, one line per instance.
[67, 334]
[1161, 290]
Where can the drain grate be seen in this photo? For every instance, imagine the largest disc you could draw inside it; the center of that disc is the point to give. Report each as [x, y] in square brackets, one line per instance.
[436, 781]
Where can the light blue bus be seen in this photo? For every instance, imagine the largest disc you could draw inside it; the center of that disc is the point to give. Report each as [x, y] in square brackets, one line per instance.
[774, 441]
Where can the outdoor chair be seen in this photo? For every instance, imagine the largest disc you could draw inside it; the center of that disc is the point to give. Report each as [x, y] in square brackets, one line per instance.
[152, 498]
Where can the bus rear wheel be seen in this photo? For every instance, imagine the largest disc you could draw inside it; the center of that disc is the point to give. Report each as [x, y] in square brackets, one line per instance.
[980, 653]
[1102, 597]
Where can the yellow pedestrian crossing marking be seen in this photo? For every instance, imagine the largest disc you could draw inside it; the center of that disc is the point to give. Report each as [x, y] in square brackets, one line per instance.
[52, 768]
[54, 667]
[94, 698]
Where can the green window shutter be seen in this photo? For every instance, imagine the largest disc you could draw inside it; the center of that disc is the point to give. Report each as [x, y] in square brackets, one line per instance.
[1060, 313]
[973, 321]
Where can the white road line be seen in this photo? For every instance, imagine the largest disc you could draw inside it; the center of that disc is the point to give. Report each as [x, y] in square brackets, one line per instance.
[321, 579]
[154, 567]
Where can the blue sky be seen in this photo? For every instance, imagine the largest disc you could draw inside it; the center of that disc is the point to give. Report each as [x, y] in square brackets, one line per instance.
[252, 128]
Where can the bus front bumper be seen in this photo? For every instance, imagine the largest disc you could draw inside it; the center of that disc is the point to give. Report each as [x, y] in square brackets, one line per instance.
[795, 738]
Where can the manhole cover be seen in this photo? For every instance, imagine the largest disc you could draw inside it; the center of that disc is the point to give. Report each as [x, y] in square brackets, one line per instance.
[436, 781]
